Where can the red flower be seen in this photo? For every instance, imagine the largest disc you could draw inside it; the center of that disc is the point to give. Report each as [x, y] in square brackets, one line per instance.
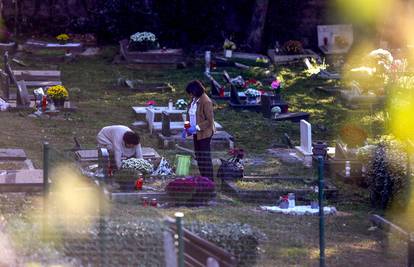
[151, 103]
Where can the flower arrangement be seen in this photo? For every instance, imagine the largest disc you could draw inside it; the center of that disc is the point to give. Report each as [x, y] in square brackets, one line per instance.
[63, 37]
[57, 92]
[151, 103]
[143, 41]
[252, 93]
[141, 165]
[262, 60]
[181, 104]
[229, 45]
[293, 47]
[277, 85]
[276, 110]
[191, 190]
[253, 84]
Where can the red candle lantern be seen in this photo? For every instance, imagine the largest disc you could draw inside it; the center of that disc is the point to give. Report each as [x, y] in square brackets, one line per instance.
[138, 183]
[154, 203]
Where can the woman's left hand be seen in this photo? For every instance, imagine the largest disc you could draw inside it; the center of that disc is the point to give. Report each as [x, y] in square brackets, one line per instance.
[192, 130]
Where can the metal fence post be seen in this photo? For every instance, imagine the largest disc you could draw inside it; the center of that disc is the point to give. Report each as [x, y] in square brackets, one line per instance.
[46, 168]
[178, 221]
[321, 214]
[410, 252]
[45, 187]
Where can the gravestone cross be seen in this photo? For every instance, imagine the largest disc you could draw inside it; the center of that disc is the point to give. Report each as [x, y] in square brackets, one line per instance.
[305, 147]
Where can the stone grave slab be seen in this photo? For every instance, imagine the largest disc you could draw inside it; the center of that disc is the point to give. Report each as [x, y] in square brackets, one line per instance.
[21, 181]
[12, 154]
[37, 75]
[221, 140]
[92, 154]
[282, 58]
[305, 147]
[292, 116]
[176, 126]
[335, 39]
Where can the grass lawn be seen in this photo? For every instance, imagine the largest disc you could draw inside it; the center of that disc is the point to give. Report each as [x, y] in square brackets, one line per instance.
[291, 241]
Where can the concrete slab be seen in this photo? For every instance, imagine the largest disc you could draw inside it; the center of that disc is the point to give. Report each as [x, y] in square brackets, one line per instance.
[12, 154]
[21, 181]
[92, 154]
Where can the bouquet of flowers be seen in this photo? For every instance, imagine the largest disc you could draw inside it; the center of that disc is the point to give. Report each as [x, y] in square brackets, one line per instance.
[276, 85]
[151, 103]
[181, 104]
[141, 165]
[229, 45]
[253, 84]
[164, 168]
[293, 47]
[63, 37]
[57, 92]
[142, 41]
[252, 93]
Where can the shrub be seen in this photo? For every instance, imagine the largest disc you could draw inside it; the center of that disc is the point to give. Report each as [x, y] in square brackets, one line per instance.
[387, 175]
[242, 240]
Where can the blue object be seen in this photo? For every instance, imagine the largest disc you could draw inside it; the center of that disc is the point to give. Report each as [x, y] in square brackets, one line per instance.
[184, 134]
[192, 130]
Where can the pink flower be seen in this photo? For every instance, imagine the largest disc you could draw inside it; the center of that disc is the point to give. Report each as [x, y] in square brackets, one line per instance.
[275, 84]
[151, 103]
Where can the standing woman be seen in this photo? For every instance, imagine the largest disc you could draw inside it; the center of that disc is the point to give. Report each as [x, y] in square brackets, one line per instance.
[202, 126]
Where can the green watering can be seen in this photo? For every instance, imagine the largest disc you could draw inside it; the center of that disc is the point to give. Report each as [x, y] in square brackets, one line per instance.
[182, 165]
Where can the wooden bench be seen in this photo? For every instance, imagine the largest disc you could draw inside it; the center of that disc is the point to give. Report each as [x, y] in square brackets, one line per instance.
[199, 252]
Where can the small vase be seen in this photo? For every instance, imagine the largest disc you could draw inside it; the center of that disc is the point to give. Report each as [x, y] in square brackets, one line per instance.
[228, 53]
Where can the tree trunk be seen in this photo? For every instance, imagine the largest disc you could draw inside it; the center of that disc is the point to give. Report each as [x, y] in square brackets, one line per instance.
[257, 25]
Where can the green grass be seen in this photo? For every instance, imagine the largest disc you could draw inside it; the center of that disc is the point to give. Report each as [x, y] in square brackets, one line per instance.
[291, 241]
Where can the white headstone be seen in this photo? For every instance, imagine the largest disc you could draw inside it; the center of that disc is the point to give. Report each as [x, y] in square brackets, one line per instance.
[328, 36]
[305, 147]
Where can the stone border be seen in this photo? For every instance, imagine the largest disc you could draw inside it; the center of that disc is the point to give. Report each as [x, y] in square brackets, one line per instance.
[272, 196]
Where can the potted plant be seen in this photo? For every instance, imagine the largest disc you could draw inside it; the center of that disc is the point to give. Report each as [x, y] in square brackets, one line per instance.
[191, 190]
[143, 41]
[131, 171]
[314, 198]
[276, 110]
[253, 96]
[58, 94]
[229, 46]
[62, 38]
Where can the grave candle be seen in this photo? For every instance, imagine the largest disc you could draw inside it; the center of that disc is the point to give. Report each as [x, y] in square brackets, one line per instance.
[154, 203]
[138, 183]
[347, 168]
[44, 103]
[145, 202]
[170, 104]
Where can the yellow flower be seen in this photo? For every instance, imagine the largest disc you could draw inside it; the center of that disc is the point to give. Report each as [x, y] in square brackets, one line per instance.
[57, 91]
[62, 37]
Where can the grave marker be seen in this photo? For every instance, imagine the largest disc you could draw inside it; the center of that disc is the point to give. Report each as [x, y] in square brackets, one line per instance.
[305, 147]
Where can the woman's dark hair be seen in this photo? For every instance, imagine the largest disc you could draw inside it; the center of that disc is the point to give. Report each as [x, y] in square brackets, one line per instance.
[195, 88]
[131, 138]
